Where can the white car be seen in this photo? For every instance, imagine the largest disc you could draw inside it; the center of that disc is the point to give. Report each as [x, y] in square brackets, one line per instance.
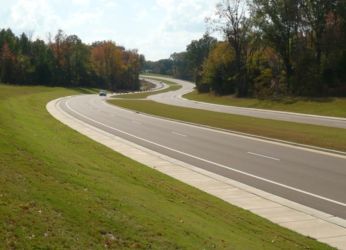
[103, 93]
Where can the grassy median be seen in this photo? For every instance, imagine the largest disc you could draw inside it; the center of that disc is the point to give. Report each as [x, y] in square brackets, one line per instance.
[171, 87]
[155, 75]
[316, 106]
[59, 189]
[332, 138]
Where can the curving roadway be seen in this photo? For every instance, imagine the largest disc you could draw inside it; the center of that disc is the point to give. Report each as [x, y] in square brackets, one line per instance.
[175, 98]
[309, 177]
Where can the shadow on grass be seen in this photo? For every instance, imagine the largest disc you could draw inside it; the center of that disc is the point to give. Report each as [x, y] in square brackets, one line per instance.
[292, 100]
[85, 90]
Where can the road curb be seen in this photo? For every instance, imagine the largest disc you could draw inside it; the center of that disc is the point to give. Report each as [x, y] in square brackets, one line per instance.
[267, 139]
[268, 110]
[307, 221]
[259, 111]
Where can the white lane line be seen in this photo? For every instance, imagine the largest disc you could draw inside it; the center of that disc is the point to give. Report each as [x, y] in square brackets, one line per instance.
[282, 143]
[176, 133]
[264, 156]
[210, 162]
[254, 109]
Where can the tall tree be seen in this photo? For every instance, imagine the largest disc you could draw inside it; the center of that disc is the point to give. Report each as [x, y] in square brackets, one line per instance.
[181, 68]
[279, 22]
[24, 44]
[43, 61]
[218, 69]
[7, 63]
[315, 14]
[106, 59]
[234, 24]
[67, 61]
[77, 58]
[197, 51]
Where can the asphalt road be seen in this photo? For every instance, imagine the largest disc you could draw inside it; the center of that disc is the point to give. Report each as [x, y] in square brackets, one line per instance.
[315, 179]
[175, 98]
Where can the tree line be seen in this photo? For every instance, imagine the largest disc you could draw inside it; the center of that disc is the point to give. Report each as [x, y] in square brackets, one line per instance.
[66, 61]
[270, 48]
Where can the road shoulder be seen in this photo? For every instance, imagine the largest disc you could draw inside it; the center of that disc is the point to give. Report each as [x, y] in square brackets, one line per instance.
[310, 222]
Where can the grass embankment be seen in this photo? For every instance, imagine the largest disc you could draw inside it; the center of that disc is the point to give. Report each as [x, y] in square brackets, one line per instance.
[59, 189]
[316, 106]
[158, 75]
[172, 87]
[332, 138]
[146, 86]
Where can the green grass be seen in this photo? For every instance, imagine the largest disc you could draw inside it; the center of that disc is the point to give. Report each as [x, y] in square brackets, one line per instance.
[172, 87]
[59, 189]
[86, 90]
[332, 138]
[153, 74]
[146, 86]
[316, 106]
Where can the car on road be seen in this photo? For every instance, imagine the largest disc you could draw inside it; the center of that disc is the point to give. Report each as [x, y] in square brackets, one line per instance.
[103, 93]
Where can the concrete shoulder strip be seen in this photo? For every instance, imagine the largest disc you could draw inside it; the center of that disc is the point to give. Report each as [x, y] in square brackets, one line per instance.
[307, 221]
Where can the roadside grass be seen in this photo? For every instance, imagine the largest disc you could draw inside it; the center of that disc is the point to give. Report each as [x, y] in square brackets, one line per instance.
[316, 106]
[146, 86]
[142, 95]
[86, 90]
[326, 137]
[59, 189]
[153, 74]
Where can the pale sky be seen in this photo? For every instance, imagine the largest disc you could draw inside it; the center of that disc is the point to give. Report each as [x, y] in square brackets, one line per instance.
[157, 28]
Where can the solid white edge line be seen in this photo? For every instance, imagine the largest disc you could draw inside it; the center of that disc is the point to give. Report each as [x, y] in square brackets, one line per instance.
[254, 109]
[264, 156]
[312, 149]
[210, 162]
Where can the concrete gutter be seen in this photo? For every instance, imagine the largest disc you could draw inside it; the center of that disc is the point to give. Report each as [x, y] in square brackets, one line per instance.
[304, 220]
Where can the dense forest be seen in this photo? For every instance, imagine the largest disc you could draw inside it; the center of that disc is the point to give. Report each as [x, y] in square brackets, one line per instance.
[66, 61]
[270, 48]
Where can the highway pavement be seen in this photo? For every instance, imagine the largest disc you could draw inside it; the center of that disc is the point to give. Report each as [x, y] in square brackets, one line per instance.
[175, 98]
[309, 177]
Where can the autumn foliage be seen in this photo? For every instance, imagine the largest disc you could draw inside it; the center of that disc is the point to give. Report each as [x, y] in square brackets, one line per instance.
[67, 61]
[269, 49]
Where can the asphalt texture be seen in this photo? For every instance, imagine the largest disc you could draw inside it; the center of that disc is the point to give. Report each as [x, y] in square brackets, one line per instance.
[175, 98]
[312, 178]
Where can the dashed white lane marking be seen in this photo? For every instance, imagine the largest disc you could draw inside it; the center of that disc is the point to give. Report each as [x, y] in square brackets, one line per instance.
[264, 156]
[176, 133]
[308, 148]
[207, 161]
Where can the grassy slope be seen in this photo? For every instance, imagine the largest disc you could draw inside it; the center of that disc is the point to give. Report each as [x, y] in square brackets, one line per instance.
[153, 74]
[59, 189]
[146, 86]
[329, 107]
[333, 138]
[172, 87]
